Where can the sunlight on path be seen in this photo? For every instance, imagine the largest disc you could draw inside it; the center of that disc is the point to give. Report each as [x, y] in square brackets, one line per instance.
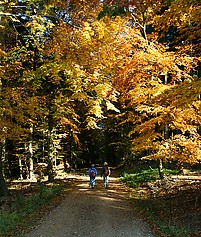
[96, 212]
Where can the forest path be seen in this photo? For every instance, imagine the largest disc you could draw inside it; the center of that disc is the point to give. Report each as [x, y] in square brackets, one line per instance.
[96, 212]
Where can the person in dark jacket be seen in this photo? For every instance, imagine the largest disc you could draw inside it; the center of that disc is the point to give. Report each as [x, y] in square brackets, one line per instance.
[92, 172]
[105, 173]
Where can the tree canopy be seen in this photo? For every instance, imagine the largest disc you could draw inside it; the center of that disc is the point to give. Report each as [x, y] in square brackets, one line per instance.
[121, 74]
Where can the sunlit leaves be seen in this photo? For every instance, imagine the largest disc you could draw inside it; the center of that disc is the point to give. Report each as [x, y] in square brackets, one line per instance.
[76, 67]
[154, 82]
[185, 16]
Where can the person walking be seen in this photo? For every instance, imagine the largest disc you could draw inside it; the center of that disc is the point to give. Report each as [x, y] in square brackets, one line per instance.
[92, 172]
[105, 173]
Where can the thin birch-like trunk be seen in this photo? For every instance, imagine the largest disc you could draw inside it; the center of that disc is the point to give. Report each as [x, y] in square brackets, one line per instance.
[31, 163]
[21, 167]
[160, 169]
[3, 186]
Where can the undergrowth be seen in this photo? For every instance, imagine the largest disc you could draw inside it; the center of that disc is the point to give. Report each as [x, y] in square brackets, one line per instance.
[157, 212]
[159, 205]
[137, 177]
[16, 215]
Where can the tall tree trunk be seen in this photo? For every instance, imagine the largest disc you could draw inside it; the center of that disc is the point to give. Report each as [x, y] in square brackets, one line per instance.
[31, 163]
[20, 167]
[3, 187]
[67, 167]
[50, 147]
[50, 156]
[3, 157]
[160, 169]
[43, 148]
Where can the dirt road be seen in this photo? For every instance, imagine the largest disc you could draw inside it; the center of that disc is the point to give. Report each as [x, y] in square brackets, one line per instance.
[94, 212]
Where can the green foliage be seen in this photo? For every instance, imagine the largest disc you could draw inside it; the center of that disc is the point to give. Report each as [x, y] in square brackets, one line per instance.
[24, 206]
[7, 221]
[176, 231]
[141, 177]
[136, 178]
[112, 11]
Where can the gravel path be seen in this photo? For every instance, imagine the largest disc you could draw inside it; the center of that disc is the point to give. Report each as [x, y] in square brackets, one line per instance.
[96, 212]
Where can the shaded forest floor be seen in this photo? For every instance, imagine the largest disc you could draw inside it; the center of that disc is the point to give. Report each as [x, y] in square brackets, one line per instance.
[173, 208]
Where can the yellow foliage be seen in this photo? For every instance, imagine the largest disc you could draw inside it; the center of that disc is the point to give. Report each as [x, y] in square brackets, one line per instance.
[87, 32]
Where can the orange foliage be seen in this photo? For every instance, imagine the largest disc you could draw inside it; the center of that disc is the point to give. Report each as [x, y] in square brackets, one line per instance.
[97, 60]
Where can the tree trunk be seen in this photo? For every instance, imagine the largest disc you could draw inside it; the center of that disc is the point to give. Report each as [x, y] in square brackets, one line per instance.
[160, 169]
[44, 142]
[20, 167]
[31, 164]
[3, 187]
[50, 156]
[50, 147]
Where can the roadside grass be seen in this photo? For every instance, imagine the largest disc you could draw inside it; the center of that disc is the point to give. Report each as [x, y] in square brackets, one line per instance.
[19, 211]
[137, 177]
[168, 207]
[172, 210]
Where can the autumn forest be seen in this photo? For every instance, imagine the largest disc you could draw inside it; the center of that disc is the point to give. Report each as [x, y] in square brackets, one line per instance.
[87, 81]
